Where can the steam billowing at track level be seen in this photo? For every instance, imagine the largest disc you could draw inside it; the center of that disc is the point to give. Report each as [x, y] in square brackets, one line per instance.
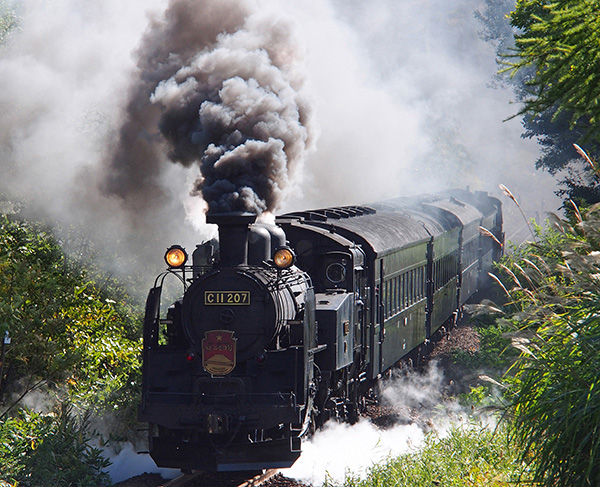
[223, 83]
[268, 341]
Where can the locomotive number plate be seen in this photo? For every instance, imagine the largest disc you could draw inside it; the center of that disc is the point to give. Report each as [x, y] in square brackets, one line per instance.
[226, 298]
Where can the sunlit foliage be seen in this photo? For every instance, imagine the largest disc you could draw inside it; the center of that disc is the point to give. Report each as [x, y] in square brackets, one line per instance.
[50, 450]
[554, 396]
[561, 39]
[69, 343]
[555, 66]
[64, 331]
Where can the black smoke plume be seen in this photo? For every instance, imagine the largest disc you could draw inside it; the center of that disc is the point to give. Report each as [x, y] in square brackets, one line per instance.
[219, 84]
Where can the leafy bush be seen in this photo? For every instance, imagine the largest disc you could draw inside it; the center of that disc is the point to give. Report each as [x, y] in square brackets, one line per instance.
[64, 329]
[50, 451]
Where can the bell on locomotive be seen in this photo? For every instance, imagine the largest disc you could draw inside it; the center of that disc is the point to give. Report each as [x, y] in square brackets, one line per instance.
[226, 371]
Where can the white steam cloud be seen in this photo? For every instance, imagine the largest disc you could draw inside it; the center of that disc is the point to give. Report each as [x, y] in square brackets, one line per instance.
[419, 407]
[400, 92]
[407, 103]
[340, 449]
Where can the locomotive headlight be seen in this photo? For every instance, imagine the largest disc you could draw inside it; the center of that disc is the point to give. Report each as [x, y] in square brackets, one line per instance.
[176, 256]
[284, 258]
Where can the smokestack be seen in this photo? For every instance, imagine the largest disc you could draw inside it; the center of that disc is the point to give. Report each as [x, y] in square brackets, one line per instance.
[233, 236]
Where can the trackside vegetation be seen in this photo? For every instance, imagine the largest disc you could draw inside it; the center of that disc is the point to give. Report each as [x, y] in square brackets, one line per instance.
[555, 286]
[50, 450]
[554, 393]
[469, 455]
[70, 348]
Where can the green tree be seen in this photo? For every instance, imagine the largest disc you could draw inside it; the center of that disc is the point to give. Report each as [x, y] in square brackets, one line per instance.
[78, 340]
[554, 62]
[552, 130]
[561, 41]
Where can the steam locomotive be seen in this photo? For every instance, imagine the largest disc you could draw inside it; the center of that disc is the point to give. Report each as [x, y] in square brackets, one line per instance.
[283, 326]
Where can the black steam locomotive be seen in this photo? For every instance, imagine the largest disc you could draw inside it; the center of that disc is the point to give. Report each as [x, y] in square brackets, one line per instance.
[285, 326]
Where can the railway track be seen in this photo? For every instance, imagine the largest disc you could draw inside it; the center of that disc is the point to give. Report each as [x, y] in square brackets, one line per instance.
[183, 479]
[260, 479]
[202, 479]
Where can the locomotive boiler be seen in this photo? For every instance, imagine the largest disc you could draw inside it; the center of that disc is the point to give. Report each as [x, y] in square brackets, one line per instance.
[282, 327]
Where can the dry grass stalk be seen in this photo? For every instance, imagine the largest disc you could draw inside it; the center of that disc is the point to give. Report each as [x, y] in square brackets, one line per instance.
[534, 266]
[522, 344]
[489, 379]
[533, 297]
[487, 233]
[495, 278]
[511, 274]
[508, 193]
[522, 271]
[543, 262]
[583, 154]
[577, 212]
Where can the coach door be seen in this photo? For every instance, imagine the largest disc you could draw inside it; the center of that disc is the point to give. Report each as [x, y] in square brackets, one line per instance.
[377, 330]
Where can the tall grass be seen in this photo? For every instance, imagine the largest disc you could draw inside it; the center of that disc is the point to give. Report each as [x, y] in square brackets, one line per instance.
[554, 411]
[556, 400]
